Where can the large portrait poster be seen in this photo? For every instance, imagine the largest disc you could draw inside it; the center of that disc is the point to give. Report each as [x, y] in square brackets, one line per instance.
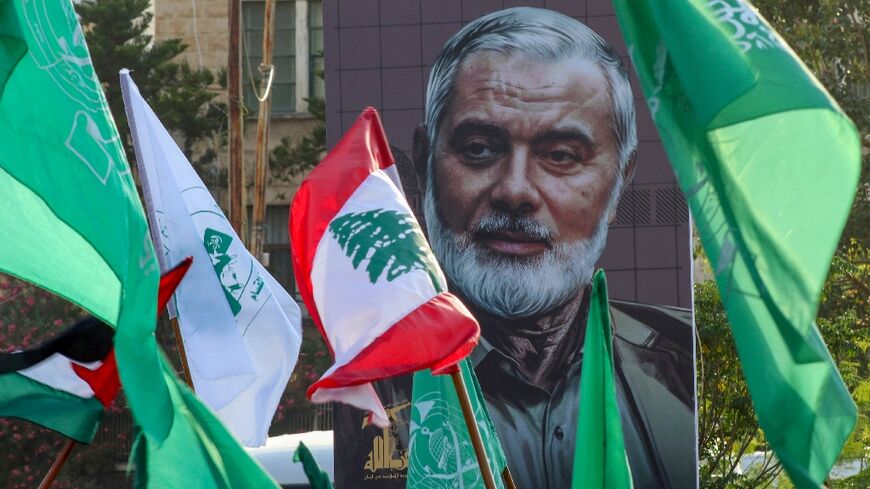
[529, 154]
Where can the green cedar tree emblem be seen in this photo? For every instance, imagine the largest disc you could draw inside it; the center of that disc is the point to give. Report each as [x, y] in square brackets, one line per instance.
[390, 241]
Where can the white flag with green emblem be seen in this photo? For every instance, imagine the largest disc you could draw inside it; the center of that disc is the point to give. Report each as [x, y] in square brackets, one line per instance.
[241, 329]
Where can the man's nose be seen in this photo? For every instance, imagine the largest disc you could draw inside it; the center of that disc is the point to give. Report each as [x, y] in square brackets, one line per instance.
[514, 190]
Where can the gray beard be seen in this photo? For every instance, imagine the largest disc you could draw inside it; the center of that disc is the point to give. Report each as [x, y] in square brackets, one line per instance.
[512, 286]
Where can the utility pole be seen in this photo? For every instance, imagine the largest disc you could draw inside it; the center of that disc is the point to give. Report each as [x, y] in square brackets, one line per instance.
[261, 170]
[234, 96]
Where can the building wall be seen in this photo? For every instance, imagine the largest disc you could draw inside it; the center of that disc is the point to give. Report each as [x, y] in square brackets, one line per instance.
[202, 25]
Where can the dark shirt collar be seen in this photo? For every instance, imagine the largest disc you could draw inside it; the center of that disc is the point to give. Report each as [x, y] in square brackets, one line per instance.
[567, 352]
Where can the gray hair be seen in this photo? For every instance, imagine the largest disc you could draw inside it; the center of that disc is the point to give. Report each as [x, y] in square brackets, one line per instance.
[543, 34]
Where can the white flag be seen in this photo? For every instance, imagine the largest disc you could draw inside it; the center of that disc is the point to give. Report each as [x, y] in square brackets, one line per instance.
[241, 330]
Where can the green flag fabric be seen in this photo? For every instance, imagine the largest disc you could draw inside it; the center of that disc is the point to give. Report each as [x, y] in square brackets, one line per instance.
[199, 451]
[600, 460]
[769, 164]
[74, 416]
[71, 218]
[316, 476]
[12, 45]
[73, 224]
[441, 453]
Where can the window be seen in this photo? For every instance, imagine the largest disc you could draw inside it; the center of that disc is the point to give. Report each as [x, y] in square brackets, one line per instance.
[283, 55]
[289, 86]
[315, 39]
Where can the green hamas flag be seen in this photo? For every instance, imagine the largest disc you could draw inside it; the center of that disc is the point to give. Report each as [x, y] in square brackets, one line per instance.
[72, 223]
[769, 164]
[71, 218]
[599, 457]
[199, 451]
[441, 453]
[316, 476]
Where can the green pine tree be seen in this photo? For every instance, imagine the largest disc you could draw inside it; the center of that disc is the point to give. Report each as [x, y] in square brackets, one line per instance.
[391, 241]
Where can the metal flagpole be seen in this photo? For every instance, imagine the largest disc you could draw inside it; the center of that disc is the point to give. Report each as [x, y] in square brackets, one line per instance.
[58, 464]
[473, 430]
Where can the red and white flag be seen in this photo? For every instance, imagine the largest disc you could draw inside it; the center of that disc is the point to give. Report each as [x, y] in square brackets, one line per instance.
[368, 276]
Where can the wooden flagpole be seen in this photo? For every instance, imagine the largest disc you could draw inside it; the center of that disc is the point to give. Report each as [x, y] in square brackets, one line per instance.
[473, 430]
[234, 99]
[182, 353]
[58, 464]
[267, 70]
[507, 478]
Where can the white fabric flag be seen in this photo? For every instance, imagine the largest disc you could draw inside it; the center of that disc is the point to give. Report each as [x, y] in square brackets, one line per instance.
[241, 330]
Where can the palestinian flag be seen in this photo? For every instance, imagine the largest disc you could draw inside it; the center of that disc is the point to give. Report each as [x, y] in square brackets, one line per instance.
[65, 383]
[368, 276]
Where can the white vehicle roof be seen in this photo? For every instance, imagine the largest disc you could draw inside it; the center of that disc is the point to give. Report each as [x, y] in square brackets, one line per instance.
[276, 456]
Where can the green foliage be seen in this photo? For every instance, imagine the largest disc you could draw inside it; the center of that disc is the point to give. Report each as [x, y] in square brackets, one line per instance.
[727, 426]
[116, 34]
[391, 241]
[291, 159]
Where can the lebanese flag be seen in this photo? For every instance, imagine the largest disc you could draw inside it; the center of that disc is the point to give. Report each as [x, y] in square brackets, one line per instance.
[368, 276]
[66, 383]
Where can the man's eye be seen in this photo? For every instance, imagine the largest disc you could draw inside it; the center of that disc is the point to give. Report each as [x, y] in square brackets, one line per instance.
[477, 151]
[561, 158]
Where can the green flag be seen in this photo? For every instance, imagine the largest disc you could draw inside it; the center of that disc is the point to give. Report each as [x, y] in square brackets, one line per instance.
[199, 451]
[316, 476]
[71, 218]
[441, 453]
[599, 457]
[769, 164]
[72, 223]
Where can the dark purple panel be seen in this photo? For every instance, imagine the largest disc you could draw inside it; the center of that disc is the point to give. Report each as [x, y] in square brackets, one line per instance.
[656, 247]
[573, 8]
[620, 285]
[330, 15]
[599, 8]
[358, 12]
[524, 3]
[619, 252]
[684, 257]
[652, 164]
[442, 11]
[685, 287]
[472, 9]
[434, 37]
[657, 286]
[360, 48]
[359, 89]
[608, 28]
[400, 125]
[333, 90]
[400, 45]
[399, 12]
[646, 128]
[403, 88]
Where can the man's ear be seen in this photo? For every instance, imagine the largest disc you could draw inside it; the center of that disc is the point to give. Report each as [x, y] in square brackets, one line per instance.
[627, 176]
[421, 155]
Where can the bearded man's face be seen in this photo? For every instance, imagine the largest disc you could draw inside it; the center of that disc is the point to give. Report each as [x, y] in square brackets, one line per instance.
[523, 180]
